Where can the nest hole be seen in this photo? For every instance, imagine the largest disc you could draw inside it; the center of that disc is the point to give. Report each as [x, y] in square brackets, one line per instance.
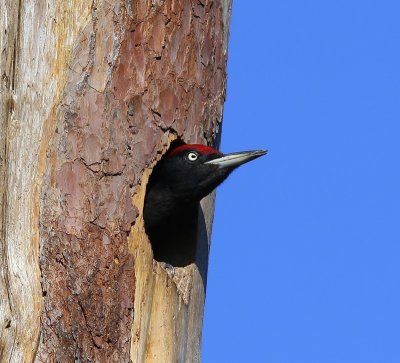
[174, 239]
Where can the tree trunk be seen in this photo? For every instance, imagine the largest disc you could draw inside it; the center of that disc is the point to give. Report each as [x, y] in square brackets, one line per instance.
[92, 95]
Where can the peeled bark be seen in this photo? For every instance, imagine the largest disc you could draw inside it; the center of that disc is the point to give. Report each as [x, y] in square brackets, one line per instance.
[92, 94]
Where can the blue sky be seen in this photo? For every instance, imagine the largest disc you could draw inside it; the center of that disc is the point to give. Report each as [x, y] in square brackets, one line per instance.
[305, 259]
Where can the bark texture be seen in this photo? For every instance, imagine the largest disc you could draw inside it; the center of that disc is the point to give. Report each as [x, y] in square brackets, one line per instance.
[92, 94]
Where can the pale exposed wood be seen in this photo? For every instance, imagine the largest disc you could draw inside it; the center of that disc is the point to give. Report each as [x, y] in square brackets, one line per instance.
[35, 48]
[91, 94]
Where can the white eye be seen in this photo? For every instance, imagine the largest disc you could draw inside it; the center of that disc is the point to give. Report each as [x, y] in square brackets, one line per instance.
[192, 156]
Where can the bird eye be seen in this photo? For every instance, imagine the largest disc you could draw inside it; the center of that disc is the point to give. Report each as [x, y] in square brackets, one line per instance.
[192, 156]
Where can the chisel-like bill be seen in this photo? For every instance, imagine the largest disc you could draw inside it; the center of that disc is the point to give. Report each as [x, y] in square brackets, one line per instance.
[235, 159]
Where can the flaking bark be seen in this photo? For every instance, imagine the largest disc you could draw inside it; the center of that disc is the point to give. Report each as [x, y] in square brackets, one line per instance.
[91, 96]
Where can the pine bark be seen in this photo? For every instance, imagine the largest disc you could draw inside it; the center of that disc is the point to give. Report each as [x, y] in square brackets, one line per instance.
[92, 95]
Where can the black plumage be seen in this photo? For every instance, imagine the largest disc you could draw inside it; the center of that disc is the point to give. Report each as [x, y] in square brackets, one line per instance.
[179, 181]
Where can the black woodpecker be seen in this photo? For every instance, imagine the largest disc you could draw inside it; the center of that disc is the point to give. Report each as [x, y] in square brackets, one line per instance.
[178, 182]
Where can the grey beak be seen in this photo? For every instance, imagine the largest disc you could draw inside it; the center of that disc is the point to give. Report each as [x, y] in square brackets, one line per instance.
[235, 159]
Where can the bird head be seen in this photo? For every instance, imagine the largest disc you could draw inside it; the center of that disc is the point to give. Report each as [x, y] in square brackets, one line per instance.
[182, 177]
[192, 171]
